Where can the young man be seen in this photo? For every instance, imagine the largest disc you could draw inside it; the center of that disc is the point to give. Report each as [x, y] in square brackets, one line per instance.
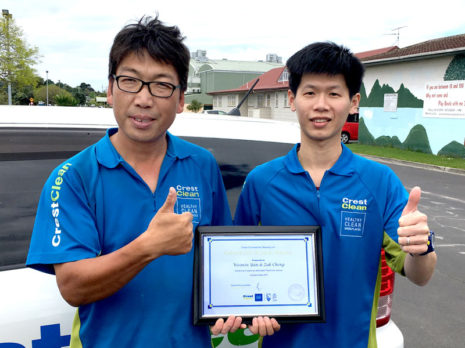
[113, 222]
[360, 205]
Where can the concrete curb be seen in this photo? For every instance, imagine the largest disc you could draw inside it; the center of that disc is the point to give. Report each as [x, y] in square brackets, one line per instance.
[416, 165]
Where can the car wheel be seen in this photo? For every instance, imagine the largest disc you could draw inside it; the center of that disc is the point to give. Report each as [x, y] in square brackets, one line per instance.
[345, 137]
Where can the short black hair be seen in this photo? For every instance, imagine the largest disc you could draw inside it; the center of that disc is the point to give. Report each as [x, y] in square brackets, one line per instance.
[163, 43]
[325, 58]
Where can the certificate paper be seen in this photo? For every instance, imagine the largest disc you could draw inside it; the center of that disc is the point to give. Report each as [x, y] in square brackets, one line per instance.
[251, 271]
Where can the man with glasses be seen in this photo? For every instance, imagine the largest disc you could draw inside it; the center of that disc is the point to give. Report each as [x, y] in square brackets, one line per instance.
[114, 223]
[132, 84]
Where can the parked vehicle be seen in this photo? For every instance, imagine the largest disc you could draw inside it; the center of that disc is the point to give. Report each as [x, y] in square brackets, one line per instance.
[214, 112]
[35, 140]
[350, 129]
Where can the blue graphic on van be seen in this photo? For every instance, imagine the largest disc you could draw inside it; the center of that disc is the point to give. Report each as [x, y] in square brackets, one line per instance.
[50, 336]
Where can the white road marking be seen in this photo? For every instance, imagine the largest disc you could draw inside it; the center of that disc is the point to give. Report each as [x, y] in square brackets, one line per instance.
[441, 196]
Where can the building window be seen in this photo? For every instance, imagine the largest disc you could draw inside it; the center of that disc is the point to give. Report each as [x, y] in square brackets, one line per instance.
[252, 100]
[260, 100]
[231, 100]
[220, 101]
[285, 100]
[284, 76]
[215, 101]
[268, 100]
[276, 100]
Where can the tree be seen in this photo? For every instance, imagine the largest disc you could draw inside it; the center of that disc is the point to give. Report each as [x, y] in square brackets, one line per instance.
[86, 88]
[65, 100]
[40, 94]
[17, 58]
[23, 95]
[194, 106]
[83, 93]
[79, 95]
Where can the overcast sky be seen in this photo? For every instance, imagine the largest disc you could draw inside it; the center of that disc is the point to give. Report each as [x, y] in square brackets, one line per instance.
[74, 37]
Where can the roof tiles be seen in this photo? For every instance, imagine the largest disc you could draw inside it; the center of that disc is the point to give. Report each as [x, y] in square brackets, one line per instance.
[269, 80]
[431, 46]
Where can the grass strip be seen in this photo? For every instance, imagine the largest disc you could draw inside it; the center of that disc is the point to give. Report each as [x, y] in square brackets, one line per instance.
[405, 155]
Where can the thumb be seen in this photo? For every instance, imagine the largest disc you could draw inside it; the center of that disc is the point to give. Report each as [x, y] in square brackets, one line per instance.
[413, 200]
[168, 206]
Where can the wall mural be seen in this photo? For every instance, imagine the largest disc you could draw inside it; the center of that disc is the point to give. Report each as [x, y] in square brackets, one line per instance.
[434, 135]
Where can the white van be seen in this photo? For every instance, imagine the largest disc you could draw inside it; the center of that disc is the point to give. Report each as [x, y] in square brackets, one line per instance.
[34, 140]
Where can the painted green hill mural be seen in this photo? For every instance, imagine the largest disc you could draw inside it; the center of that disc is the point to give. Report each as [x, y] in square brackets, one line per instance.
[376, 97]
[417, 139]
[388, 141]
[363, 94]
[364, 135]
[453, 149]
[405, 98]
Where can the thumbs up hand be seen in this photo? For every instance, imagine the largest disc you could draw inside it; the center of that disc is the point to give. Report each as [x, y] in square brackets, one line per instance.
[170, 233]
[168, 206]
[413, 228]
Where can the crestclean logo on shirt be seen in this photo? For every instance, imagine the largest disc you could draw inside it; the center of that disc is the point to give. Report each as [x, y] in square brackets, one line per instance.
[187, 191]
[354, 204]
[353, 217]
[55, 206]
[189, 201]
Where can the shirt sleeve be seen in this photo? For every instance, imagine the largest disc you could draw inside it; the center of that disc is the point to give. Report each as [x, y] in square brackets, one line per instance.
[65, 228]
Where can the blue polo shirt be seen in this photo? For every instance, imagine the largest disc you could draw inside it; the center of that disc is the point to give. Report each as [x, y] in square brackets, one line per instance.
[357, 205]
[94, 204]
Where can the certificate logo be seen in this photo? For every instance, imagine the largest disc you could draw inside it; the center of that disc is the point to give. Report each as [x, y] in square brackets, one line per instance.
[258, 297]
[296, 292]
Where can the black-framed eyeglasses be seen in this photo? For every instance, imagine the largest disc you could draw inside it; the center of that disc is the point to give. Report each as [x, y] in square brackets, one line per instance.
[134, 85]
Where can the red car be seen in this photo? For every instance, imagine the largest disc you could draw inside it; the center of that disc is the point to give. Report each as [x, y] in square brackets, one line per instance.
[350, 129]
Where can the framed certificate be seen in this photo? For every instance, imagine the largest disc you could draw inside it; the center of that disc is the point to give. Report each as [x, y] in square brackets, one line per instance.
[250, 271]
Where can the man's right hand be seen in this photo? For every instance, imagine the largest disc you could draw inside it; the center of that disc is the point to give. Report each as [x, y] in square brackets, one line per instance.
[93, 279]
[170, 233]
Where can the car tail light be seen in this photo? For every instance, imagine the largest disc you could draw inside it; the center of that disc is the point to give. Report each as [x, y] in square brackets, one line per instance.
[386, 292]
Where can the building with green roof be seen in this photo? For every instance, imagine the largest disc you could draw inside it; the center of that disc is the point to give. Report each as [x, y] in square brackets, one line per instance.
[209, 75]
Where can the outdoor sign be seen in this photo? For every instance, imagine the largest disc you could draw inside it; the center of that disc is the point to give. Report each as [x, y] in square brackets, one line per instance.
[390, 102]
[445, 99]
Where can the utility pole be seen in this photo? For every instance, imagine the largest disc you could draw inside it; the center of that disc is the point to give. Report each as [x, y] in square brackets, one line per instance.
[8, 16]
[46, 72]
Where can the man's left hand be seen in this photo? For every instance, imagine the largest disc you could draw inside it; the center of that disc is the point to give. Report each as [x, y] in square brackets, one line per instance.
[413, 228]
[264, 326]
